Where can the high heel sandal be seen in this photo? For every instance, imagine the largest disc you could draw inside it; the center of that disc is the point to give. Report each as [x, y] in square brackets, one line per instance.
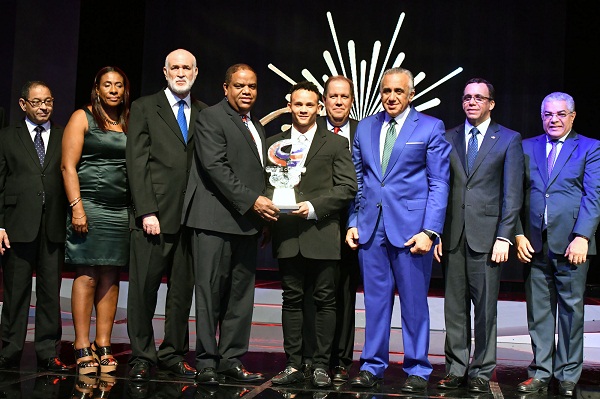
[107, 365]
[84, 387]
[85, 366]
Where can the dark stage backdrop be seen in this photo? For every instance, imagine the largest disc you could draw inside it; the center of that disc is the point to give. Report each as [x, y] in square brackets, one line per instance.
[527, 49]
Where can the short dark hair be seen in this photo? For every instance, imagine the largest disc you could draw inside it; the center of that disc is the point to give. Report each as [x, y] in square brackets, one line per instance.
[234, 68]
[305, 85]
[485, 82]
[30, 84]
[338, 77]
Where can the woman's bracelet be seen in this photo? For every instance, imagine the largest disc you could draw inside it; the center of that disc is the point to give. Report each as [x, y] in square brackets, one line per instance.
[80, 217]
[75, 202]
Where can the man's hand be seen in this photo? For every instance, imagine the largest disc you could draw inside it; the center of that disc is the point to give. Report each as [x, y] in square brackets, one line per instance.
[4, 243]
[266, 209]
[437, 252]
[524, 249]
[302, 211]
[352, 238]
[577, 251]
[151, 224]
[500, 251]
[421, 243]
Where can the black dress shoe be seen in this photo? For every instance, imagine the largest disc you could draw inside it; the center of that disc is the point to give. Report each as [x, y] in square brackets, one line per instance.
[53, 364]
[6, 363]
[140, 371]
[138, 389]
[320, 378]
[207, 376]
[365, 379]
[240, 373]
[288, 376]
[414, 383]
[340, 374]
[450, 381]
[566, 388]
[181, 369]
[532, 385]
[479, 384]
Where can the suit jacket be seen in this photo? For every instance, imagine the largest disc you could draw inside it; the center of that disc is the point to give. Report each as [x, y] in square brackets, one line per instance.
[228, 175]
[571, 193]
[413, 193]
[22, 182]
[329, 183]
[322, 123]
[158, 160]
[485, 203]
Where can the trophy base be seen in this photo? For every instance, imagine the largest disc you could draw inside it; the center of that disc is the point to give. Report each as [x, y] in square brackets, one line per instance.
[285, 200]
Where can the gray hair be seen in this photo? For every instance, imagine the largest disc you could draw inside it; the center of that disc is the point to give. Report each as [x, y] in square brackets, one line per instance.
[559, 96]
[391, 71]
[167, 58]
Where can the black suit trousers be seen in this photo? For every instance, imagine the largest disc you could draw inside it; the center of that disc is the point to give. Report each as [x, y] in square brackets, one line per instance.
[20, 261]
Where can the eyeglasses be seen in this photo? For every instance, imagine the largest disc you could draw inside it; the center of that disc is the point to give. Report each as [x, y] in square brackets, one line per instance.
[478, 98]
[560, 115]
[35, 103]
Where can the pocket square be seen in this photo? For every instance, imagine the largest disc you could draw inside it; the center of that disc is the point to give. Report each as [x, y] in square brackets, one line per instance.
[415, 142]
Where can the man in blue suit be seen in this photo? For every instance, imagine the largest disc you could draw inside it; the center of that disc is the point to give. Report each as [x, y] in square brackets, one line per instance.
[403, 168]
[559, 219]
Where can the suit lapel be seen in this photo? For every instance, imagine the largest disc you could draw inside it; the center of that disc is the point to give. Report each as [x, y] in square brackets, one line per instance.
[567, 149]
[54, 144]
[193, 114]
[24, 136]
[540, 157]
[489, 141]
[407, 130]
[166, 113]
[375, 135]
[243, 130]
[458, 140]
[317, 142]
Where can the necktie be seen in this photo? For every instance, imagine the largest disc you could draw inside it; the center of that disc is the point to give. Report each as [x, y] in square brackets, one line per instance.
[182, 121]
[388, 145]
[38, 143]
[245, 120]
[337, 129]
[552, 156]
[472, 149]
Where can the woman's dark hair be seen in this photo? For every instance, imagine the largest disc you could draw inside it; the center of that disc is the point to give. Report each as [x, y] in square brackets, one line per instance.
[97, 106]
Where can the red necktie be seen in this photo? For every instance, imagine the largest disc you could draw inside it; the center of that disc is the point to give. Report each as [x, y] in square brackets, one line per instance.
[245, 120]
[337, 129]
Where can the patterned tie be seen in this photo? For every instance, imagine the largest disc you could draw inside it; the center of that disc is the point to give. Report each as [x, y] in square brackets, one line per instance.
[552, 156]
[245, 119]
[337, 129]
[182, 121]
[472, 149]
[388, 145]
[38, 143]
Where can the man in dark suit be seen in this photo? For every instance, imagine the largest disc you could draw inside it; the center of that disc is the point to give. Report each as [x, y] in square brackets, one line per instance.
[307, 241]
[33, 211]
[159, 156]
[559, 219]
[486, 174]
[225, 207]
[402, 166]
[338, 96]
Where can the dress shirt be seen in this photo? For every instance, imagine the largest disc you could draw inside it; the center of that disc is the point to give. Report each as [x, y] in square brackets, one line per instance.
[174, 103]
[400, 119]
[559, 145]
[45, 134]
[344, 131]
[308, 138]
[482, 127]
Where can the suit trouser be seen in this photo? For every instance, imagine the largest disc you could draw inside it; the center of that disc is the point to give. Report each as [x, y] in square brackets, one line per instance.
[19, 262]
[470, 276]
[297, 275]
[385, 267]
[552, 284]
[224, 274]
[151, 258]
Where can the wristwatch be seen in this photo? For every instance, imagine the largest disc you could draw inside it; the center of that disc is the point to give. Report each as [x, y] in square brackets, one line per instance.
[429, 234]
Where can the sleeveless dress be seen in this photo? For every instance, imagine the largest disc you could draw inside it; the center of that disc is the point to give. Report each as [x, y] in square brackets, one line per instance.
[106, 200]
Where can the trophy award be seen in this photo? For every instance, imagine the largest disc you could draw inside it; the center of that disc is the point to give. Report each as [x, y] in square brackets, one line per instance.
[287, 156]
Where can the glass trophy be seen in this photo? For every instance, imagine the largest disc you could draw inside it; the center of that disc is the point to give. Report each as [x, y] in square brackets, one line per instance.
[287, 165]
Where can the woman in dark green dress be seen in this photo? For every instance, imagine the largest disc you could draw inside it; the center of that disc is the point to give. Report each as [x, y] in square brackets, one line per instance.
[95, 178]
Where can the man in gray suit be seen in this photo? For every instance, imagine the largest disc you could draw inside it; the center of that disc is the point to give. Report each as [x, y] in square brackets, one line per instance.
[559, 219]
[486, 174]
[225, 209]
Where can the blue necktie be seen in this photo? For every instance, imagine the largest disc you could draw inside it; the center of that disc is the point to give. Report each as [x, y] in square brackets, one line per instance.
[38, 143]
[388, 145]
[182, 121]
[552, 156]
[472, 149]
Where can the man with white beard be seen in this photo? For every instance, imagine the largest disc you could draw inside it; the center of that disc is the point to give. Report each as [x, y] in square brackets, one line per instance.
[159, 156]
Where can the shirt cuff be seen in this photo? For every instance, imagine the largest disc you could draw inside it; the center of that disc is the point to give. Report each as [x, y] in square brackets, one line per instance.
[504, 239]
[312, 215]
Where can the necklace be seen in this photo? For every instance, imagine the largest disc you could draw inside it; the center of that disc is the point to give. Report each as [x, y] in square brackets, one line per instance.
[115, 123]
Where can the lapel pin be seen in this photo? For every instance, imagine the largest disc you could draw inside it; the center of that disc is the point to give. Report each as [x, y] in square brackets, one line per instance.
[493, 137]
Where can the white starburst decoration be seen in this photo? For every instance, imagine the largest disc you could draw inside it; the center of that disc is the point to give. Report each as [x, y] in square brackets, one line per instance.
[367, 101]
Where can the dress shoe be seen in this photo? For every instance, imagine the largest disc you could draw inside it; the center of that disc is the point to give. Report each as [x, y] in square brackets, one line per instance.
[207, 376]
[53, 364]
[180, 369]
[450, 381]
[138, 389]
[288, 376]
[340, 374]
[414, 383]
[306, 370]
[479, 384]
[532, 385]
[320, 378]
[365, 379]
[140, 371]
[240, 373]
[566, 388]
